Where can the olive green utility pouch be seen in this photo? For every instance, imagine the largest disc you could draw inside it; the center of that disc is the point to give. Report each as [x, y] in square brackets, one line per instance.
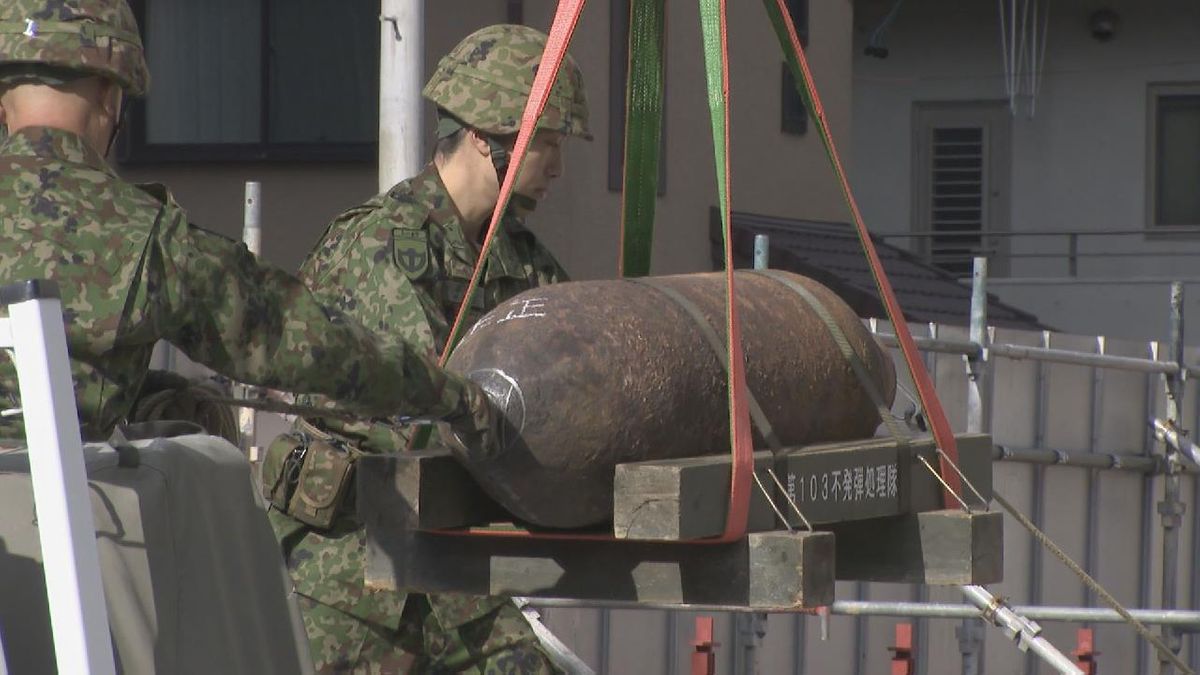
[326, 474]
[281, 469]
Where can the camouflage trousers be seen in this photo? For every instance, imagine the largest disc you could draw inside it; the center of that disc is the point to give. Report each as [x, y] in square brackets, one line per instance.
[499, 643]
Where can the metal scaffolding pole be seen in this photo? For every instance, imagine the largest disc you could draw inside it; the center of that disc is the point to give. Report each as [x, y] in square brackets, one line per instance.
[1037, 513]
[1023, 631]
[1091, 552]
[1085, 359]
[931, 344]
[252, 237]
[1146, 530]
[1104, 461]
[1025, 352]
[1194, 639]
[1185, 620]
[1172, 508]
[970, 631]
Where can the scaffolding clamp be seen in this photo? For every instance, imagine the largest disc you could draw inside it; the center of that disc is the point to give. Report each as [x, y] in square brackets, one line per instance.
[1166, 432]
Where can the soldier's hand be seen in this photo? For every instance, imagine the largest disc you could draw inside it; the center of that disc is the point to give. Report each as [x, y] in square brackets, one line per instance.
[474, 432]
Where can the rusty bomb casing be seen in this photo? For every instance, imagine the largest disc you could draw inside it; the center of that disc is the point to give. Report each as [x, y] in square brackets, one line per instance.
[592, 374]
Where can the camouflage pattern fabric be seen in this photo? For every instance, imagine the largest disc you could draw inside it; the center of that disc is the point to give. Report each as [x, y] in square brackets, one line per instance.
[485, 82]
[400, 264]
[132, 270]
[92, 36]
[501, 643]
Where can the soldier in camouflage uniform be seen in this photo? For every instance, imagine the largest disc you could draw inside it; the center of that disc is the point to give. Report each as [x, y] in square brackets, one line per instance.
[130, 267]
[401, 263]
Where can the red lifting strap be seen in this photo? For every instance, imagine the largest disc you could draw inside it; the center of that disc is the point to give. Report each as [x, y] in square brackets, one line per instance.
[716, 65]
[942, 433]
[565, 19]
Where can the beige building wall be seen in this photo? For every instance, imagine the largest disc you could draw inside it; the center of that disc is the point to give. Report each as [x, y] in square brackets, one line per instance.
[1079, 164]
[771, 172]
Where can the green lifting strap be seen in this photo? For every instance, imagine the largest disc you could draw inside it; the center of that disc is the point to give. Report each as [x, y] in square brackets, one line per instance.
[847, 350]
[757, 415]
[643, 133]
[716, 69]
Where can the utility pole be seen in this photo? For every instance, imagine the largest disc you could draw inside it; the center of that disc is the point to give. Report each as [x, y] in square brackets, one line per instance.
[401, 74]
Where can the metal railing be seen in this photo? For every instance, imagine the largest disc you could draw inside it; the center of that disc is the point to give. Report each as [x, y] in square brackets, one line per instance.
[1071, 239]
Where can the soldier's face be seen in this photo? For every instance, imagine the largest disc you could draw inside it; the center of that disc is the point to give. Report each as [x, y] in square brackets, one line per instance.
[543, 164]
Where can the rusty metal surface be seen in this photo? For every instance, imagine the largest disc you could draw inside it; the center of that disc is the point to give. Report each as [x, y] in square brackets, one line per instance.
[592, 374]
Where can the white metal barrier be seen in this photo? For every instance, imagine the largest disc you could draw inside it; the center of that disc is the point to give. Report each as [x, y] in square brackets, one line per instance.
[34, 332]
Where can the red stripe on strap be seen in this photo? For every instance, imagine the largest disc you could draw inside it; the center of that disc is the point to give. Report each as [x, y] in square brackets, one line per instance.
[739, 412]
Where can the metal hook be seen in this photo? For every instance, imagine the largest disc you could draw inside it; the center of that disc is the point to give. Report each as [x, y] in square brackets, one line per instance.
[395, 26]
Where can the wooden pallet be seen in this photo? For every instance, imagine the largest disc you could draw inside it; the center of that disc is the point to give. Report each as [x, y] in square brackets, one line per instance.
[417, 505]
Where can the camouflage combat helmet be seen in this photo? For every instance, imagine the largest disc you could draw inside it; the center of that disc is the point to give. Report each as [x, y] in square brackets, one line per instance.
[486, 79]
[98, 37]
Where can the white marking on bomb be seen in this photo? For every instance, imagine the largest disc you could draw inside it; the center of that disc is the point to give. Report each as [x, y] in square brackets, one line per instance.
[528, 309]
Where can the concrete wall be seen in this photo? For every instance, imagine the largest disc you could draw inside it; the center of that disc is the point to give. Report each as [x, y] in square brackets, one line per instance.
[772, 172]
[1078, 164]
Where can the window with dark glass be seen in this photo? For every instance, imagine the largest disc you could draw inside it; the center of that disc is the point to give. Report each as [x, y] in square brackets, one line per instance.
[1175, 155]
[257, 79]
[793, 116]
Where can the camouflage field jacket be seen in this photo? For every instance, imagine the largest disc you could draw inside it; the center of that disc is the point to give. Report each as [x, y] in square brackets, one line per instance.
[400, 264]
[132, 271]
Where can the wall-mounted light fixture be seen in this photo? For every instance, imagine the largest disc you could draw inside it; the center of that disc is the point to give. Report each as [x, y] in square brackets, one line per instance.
[1103, 24]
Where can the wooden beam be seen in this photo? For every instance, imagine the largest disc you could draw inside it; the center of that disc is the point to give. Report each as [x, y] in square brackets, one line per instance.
[684, 498]
[765, 571]
[428, 488]
[829, 483]
[950, 547]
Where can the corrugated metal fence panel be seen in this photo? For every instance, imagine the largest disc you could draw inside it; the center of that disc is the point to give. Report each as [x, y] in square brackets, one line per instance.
[1082, 410]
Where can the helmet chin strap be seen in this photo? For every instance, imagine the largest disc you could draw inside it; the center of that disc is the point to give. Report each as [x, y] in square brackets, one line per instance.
[117, 126]
[518, 203]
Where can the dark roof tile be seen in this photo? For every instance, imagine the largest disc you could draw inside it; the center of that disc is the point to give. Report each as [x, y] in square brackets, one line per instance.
[831, 254]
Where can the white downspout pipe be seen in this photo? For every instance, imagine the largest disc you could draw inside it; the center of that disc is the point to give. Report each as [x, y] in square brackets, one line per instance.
[401, 75]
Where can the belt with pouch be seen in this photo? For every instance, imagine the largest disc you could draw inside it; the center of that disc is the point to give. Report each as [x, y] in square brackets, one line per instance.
[308, 473]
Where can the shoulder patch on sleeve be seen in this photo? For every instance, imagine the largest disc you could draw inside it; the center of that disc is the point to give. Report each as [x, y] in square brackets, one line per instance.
[410, 251]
